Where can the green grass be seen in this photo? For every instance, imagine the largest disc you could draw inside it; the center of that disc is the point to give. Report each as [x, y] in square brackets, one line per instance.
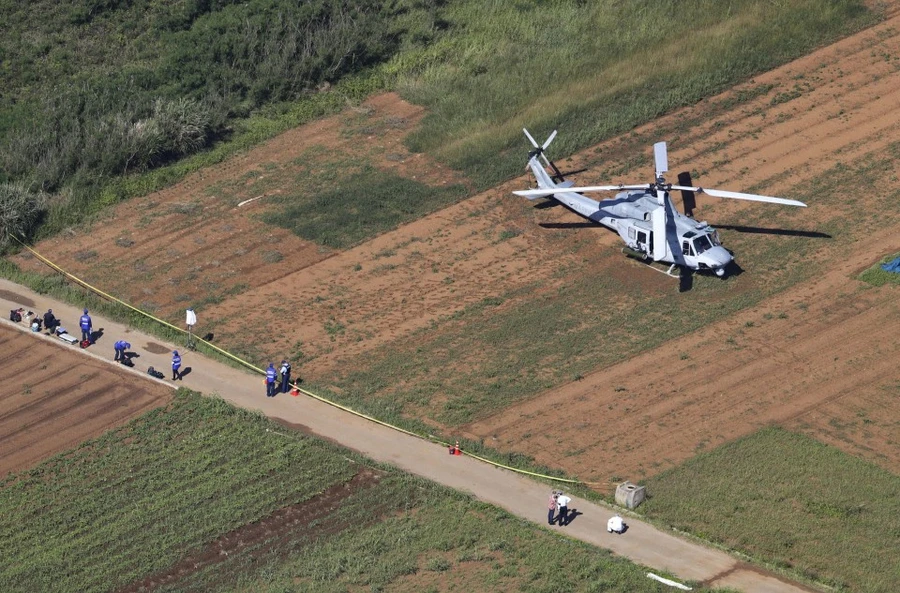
[876, 276]
[482, 75]
[360, 206]
[134, 502]
[130, 503]
[621, 64]
[792, 502]
[75, 206]
[434, 536]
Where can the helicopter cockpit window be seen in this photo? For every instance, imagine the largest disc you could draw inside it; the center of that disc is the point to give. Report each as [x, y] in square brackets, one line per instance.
[686, 248]
[702, 243]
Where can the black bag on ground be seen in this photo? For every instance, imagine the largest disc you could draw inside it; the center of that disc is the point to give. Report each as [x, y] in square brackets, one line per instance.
[14, 315]
[154, 373]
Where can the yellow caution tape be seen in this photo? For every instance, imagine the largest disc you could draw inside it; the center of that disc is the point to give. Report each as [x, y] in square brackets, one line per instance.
[253, 367]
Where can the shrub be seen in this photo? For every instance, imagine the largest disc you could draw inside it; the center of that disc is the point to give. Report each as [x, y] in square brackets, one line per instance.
[20, 211]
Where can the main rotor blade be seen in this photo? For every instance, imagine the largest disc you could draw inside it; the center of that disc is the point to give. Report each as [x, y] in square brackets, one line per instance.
[661, 157]
[531, 139]
[537, 193]
[549, 140]
[718, 193]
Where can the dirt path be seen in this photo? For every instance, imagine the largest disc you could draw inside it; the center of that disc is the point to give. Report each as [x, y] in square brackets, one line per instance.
[521, 496]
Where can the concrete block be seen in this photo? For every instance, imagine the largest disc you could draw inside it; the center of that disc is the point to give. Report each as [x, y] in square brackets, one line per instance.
[629, 495]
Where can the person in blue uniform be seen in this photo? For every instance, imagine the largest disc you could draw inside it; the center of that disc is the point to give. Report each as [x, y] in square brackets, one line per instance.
[271, 374]
[119, 347]
[176, 364]
[285, 376]
[86, 326]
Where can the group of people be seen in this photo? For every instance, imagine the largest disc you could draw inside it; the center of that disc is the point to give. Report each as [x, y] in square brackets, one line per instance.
[48, 322]
[558, 513]
[559, 508]
[276, 380]
[272, 381]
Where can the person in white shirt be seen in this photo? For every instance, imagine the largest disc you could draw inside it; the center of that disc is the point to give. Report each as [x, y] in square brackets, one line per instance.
[615, 524]
[562, 503]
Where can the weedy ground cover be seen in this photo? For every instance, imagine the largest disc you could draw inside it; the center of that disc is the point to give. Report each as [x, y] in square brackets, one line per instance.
[793, 502]
[432, 539]
[170, 484]
[358, 207]
[877, 276]
[121, 88]
[622, 64]
[131, 502]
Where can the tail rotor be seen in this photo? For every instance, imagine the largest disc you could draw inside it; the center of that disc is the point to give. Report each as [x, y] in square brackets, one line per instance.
[539, 151]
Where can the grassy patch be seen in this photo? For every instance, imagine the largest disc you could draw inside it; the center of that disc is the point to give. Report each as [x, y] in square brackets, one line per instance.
[501, 71]
[792, 502]
[877, 276]
[361, 206]
[437, 535]
[79, 100]
[166, 486]
[129, 504]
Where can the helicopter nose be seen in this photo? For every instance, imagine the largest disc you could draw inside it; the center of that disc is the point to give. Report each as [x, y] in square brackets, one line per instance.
[719, 257]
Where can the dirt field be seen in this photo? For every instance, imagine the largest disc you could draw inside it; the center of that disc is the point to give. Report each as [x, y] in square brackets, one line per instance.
[53, 397]
[819, 358]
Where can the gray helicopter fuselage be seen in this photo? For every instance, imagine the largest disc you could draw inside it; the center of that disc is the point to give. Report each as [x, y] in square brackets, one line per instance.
[629, 214]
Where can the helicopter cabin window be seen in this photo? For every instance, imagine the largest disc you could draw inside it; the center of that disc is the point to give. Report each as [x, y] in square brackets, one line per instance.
[702, 243]
[642, 238]
[686, 248]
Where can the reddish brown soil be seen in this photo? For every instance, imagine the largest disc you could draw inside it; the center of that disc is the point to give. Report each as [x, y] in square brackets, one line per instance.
[52, 397]
[180, 246]
[819, 358]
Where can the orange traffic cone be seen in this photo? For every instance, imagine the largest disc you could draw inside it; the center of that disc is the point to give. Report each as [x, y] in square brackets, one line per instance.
[295, 392]
[456, 450]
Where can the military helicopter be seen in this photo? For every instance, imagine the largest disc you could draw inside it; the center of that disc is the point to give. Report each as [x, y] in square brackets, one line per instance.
[643, 214]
